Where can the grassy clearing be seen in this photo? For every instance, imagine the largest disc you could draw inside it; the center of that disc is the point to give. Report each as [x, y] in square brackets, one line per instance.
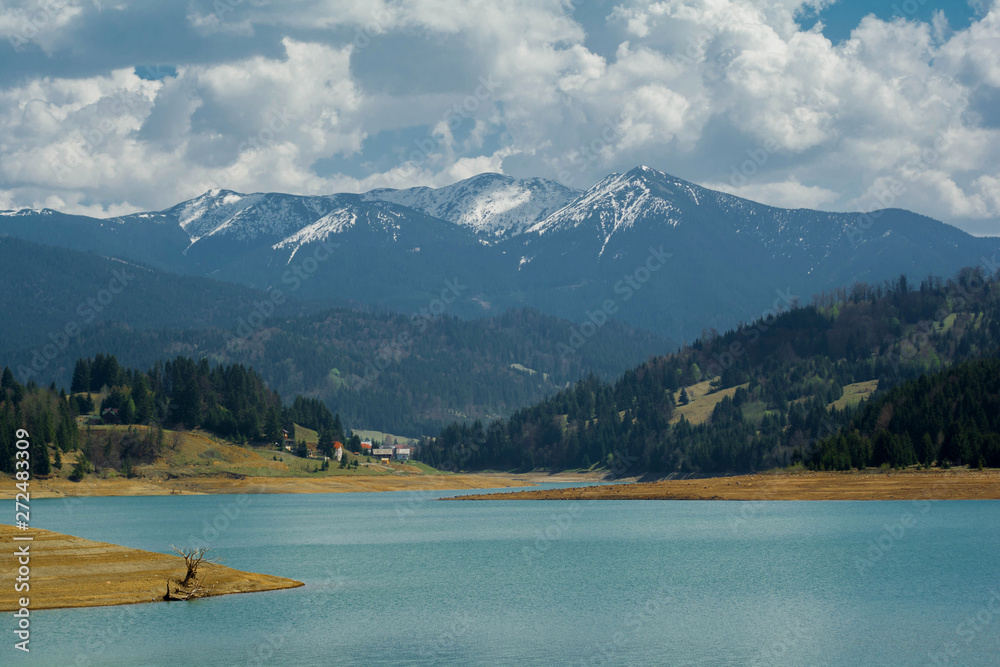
[379, 436]
[699, 410]
[426, 469]
[302, 433]
[196, 453]
[855, 393]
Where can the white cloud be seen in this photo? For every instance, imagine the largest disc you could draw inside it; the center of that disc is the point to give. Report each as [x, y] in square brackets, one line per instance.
[694, 87]
[256, 124]
[786, 194]
[41, 22]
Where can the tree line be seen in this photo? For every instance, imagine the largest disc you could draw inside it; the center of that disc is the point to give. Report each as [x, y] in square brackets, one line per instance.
[379, 371]
[950, 417]
[231, 401]
[788, 369]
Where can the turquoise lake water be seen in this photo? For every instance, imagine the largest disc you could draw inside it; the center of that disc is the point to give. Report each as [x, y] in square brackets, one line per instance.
[398, 578]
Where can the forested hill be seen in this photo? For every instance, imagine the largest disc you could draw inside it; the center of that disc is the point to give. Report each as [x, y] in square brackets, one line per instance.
[231, 401]
[757, 397]
[51, 295]
[949, 417]
[407, 373]
[401, 373]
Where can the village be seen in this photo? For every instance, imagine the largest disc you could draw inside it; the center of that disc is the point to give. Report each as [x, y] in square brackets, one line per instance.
[377, 452]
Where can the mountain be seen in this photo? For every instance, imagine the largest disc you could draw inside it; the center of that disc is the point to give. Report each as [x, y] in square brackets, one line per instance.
[385, 371]
[493, 205]
[730, 259]
[642, 247]
[345, 251]
[388, 371]
[622, 200]
[51, 298]
[777, 391]
[150, 238]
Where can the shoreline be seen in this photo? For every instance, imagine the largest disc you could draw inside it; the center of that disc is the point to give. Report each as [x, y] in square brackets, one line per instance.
[954, 484]
[71, 572]
[57, 487]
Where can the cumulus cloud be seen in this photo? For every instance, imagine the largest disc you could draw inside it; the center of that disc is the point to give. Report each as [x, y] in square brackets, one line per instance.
[786, 194]
[41, 22]
[324, 96]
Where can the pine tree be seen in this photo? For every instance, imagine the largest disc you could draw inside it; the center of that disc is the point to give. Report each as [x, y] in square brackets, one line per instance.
[7, 381]
[80, 468]
[40, 457]
[81, 377]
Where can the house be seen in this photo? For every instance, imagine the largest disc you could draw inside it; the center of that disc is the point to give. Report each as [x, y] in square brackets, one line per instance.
[402, 453]
[110, 416]
[366, 447]
[338, 451]
[382, 452]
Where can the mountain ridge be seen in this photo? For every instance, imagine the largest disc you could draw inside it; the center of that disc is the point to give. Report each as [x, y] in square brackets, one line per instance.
[527, 242]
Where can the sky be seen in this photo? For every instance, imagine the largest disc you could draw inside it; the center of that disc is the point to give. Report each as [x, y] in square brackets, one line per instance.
[109, 107]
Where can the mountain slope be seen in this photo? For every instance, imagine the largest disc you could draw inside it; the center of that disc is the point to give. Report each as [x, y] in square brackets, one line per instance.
[149, 238]
[493, 205]
[52, 296]
[730, 259]
[775, 383]
[385, 371]
[407, 373]
[643, 247]
[950, 416]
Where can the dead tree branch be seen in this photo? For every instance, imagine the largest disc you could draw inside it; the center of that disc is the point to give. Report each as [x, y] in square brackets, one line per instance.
[190, 587]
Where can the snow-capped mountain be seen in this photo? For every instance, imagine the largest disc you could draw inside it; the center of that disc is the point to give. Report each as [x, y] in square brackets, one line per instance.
[643, 196]
[385, 221]
[621, 200]
[250, 217]
[667, 254]
[493, 205]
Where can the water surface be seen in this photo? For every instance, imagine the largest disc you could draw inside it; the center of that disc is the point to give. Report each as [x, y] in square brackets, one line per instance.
[399, 578]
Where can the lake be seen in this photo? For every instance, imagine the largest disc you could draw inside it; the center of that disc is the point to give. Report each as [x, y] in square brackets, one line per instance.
[399, 578]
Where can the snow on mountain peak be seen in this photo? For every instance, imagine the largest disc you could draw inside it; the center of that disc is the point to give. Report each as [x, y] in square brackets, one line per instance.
[379, 216]
[200, 216]
[620, 200]
[332, 223]
[493, 205]
[248, 217]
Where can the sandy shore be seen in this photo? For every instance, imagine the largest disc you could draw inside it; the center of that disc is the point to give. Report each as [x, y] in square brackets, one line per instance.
[541, 477]
[955, 484]
[68, 571]
[60, 488]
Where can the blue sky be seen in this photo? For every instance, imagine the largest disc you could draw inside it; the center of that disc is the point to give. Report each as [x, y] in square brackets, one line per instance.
[113, 106]
[840, 18]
